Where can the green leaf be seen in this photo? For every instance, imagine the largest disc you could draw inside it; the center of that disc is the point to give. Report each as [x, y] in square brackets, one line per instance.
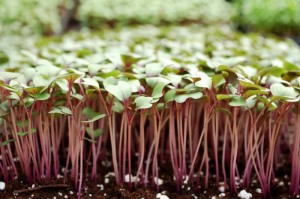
[223, 110]
[71, 77]
[223, 96]
[233, 89]
[160, 106]
[238, 101]
[275, 71]
[205, 82]
[250, 93]
[34, 90]
[153, 81]
[260, 106]
[135, 84]
[12, 89]
[48, 70]
[230, 77]
[22, 123]
[170, 95]
[90, 114]
[110, 81]
[226, 68]
[3, 57]
[129, 59]
[251, 101]
[91, 82]
[77, 96]
[63, 85]
[218, 80]
[89, 140]
[158, 90]
[175, 79]
[113, 73]
[66, 110]
[104, 68]
[153, 69]
[298, 81]
[30, 55]
[95, 133]
[250, 85]
[41, 96]
[183, 97]
[290, 75]
[267, 102]
[7, 142]
[4, 76]
[13, 96]
[94, 68]
[121, 91]
[62, 110]
[143, 102]
[290, 66]
[28, 101]
[283, 92]
[33, 130]
[118, 107]
[40, 81]
[60, 102]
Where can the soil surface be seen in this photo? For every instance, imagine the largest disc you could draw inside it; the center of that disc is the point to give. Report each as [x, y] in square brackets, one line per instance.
[105, 188]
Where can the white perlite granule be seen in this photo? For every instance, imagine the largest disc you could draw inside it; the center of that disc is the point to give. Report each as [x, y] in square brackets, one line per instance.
[281, 183]
[244, 194]
[2, 185]
[222, 189]
[258, 190]
[133, 178]
[158, 181]
[160, 196]
[186, 179]
[164, 197]
[110, 174]
[100, 186]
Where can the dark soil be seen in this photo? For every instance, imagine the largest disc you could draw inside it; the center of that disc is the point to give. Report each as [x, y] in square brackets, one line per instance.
[103, 190]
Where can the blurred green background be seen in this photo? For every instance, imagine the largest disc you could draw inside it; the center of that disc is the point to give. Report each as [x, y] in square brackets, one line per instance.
[57, 16]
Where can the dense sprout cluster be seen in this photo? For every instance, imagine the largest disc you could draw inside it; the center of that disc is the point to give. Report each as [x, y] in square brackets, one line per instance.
[49, 17]
[191, 96]
[34, 16]
[281, 17]
[31, 16]
[154, 12]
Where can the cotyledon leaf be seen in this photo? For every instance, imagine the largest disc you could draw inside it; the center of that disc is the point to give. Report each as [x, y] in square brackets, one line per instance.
[153, 69]
[91, 115]
[41, 96]
[91, 82]
[33, 130]
[280, 91]
[143, 102]
[158, 90]
[205, 82]
[238, 101]
[94, 133]
[121, 91]
[62, 110]
[183, 97]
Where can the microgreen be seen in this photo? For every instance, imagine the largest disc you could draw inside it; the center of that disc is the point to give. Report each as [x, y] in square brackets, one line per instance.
[193, 101]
